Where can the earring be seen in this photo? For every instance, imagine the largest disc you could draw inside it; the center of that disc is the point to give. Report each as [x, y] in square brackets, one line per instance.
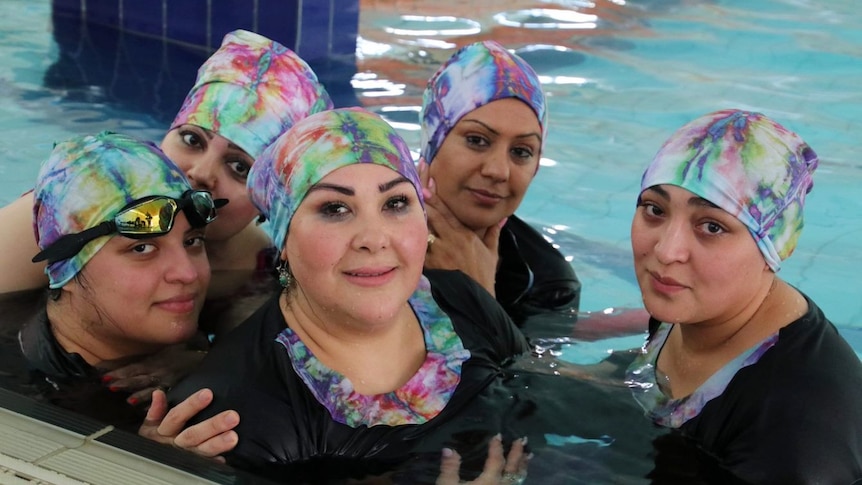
[285, 278]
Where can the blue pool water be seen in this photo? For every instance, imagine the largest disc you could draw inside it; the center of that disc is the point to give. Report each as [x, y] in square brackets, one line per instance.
[621, 77]
[621, 83]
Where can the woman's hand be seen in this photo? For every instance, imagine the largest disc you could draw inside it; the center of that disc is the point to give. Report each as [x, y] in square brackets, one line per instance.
[160, 370]
[455, 246]
[499, 470]
[209, 438]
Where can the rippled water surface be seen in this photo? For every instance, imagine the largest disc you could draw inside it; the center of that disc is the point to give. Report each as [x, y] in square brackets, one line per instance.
[620, 76]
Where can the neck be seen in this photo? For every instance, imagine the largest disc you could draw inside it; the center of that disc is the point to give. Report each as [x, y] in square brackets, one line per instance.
[238, 252]
[377, 356]
[693, 352]
[76, 336]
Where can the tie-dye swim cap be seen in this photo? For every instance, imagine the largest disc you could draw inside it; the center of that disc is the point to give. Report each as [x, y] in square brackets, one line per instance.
[474, 76]
[746, 164]
[86, 180]
[313, 148]
[251, 90]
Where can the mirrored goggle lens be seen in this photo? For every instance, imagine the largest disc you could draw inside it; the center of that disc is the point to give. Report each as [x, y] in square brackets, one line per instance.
[203, 205]
[155, 216]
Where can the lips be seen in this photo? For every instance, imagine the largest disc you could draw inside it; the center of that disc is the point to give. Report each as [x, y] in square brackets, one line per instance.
[665, 284]
[179, 304]
[486, 197]
[370, 276]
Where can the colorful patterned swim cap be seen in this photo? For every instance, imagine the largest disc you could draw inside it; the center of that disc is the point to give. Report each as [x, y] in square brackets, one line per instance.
[316, 146]
[474, 76]
[251, 90]
[86, 180]
[746, 164]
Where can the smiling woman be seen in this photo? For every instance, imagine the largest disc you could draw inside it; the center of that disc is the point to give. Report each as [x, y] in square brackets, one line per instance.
[123, 234]
[360, 355]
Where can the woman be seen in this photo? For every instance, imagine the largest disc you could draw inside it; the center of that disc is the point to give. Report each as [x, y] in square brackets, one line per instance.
[484, 121]
[246, 94]
[360, 355]
[740, 363]
[122, 233]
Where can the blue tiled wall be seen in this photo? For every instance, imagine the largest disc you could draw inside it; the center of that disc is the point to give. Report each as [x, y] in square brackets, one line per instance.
[315, 29]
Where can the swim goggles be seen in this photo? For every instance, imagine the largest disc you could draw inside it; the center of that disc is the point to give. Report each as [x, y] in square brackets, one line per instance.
[144, 218]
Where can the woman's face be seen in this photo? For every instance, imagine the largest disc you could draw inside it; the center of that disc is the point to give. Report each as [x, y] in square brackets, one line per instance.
[139, 295]
[485, 164]
[356, 244]
[213, 163]
[694, 262]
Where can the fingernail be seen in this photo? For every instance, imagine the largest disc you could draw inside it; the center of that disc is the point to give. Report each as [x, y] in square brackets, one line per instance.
[447, 452]
[503, 222]
[106, 379]
[113, 388]
[498, 437]
[432, 184]
[132, 400]
[524, 441]
[426, 194]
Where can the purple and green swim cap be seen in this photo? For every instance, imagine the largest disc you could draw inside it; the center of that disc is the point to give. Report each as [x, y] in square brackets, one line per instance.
[474, 76]
[315, 147]
[251, 90]
[746, 164]
[87, 180]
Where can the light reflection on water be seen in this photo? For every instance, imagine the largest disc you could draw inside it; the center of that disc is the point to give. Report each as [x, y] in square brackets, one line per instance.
[618, 89]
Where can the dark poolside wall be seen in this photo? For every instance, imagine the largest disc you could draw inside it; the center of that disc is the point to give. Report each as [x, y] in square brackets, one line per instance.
[143, 55]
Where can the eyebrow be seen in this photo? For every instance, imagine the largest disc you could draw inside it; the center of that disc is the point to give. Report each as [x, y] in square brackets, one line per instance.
[341, 189]
[695, 201]
[492, 130]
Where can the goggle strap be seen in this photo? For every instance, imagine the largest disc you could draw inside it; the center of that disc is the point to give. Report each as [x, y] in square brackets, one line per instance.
[71, 244]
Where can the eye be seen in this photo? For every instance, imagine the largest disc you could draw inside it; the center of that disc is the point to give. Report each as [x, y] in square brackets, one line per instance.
[476, 141]
[522, 153]
[650, 209]
[192, 139]
[239, 168]
[399, 203]
[143, 248]
[334, 210]
[712, 228]
[195, 241]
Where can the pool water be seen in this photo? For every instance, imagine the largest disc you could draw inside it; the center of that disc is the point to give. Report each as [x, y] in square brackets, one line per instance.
[620, 77]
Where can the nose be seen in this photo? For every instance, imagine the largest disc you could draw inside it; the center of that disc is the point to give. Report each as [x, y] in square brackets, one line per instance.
[184, 267]
[496, 165]
[372, 234]
[203, 173]
[673, 244]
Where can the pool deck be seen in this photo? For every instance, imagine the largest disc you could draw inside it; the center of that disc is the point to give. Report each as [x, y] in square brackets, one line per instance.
[43, 444]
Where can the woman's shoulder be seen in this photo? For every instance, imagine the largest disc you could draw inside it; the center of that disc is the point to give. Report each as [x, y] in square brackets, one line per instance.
[477, 317]
[532, 273]
[236, 355]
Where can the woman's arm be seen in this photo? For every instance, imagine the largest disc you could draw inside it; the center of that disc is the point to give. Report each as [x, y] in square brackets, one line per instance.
[18, 246]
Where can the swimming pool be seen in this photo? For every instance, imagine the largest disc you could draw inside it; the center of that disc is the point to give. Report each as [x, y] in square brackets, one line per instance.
[621, 76]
